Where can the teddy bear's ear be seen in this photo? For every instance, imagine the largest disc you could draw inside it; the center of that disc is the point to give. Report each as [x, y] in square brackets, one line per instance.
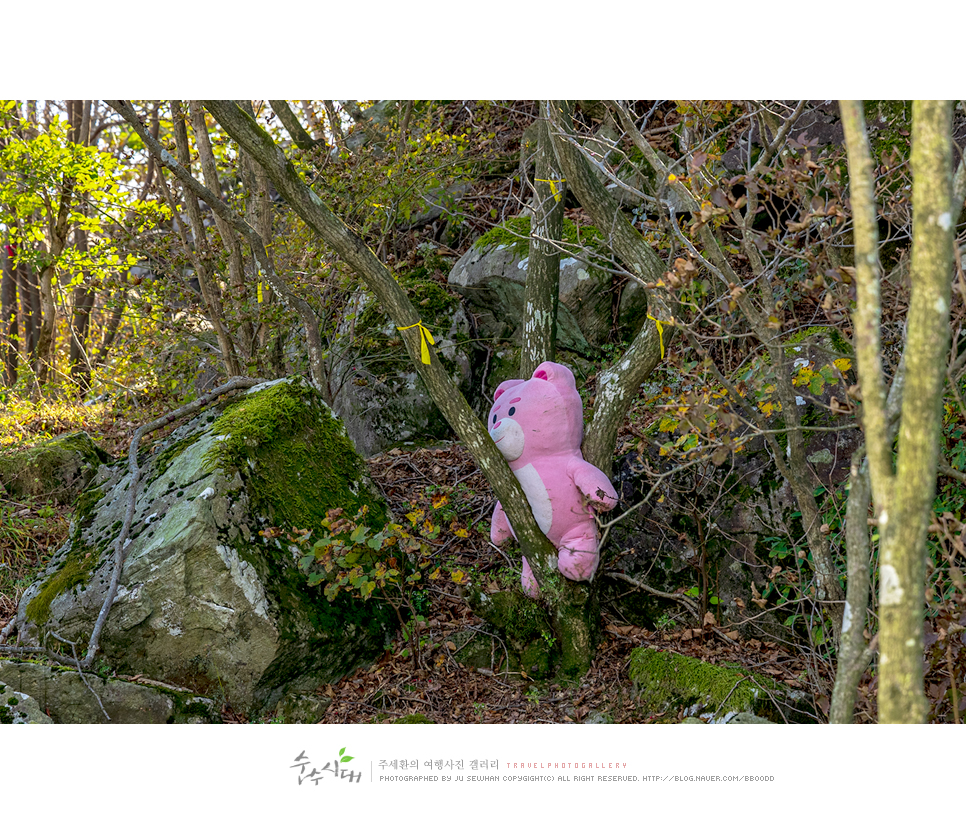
[545, 371]
[551, 371]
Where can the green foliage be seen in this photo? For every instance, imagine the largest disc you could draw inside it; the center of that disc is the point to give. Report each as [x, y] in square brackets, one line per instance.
[410, 150]
[395, 563]
[42, 164]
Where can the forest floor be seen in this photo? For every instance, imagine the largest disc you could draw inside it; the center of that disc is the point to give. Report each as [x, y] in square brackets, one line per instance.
[443, 482]
[442, 690]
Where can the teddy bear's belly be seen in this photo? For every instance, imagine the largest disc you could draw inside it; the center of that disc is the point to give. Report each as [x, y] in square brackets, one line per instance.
[537, 495]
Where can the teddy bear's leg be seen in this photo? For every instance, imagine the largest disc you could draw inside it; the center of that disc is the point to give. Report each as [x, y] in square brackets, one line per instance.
[578, 557]
[529, 582]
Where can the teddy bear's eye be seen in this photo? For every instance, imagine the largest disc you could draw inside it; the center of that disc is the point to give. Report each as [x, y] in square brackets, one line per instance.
[494, 419]
[512, 410]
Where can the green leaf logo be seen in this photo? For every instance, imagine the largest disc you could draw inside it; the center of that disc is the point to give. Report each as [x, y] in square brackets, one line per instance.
[343, 758]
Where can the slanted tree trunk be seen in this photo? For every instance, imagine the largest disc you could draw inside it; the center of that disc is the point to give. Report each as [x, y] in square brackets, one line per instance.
[236, 267]
[197, 251]
[617, 386]
[57, 232]
[568, 605]
[266, 270]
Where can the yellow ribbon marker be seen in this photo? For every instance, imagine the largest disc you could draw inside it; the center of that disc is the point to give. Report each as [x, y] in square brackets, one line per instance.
[260, 292]
[424, 336]
[553, 187]
[660, 330]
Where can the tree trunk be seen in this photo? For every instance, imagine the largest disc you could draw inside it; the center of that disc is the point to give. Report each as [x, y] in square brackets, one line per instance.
[903, 498]
[47, 339]
[236, 267]
[542, 291]
[79, 358]
[266, 270]
[197, 251]
[9, 329]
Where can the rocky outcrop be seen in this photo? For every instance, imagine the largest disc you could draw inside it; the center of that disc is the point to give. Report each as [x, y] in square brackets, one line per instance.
[211, 596]
[58, 469]
[377, 391]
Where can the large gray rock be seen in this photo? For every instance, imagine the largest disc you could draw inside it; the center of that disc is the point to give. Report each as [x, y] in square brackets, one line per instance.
[375, 388]
[58, 469]
[492, 274]
[19, 708]
[211, 597]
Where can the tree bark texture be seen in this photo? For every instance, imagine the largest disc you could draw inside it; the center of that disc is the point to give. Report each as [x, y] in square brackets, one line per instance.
[229, 238]
[198, 251]
[9, 328]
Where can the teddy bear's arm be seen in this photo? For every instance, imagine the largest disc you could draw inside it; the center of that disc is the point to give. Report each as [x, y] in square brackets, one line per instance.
[500, 529]
[594, 485]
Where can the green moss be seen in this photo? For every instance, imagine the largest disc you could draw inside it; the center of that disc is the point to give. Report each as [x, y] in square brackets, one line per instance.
[76, 570]
[298, 463]
[662, 679]
[515, 232]
[890, 125]
[85, 504]
[415, 718]
[294, 454]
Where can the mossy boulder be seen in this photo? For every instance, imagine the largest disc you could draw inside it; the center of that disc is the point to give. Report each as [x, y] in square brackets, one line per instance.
[58, 469]
[492, 274]
[718, 692]
[211, 596]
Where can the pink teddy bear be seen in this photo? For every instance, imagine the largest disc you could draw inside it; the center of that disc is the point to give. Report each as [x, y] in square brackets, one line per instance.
[538, 425]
